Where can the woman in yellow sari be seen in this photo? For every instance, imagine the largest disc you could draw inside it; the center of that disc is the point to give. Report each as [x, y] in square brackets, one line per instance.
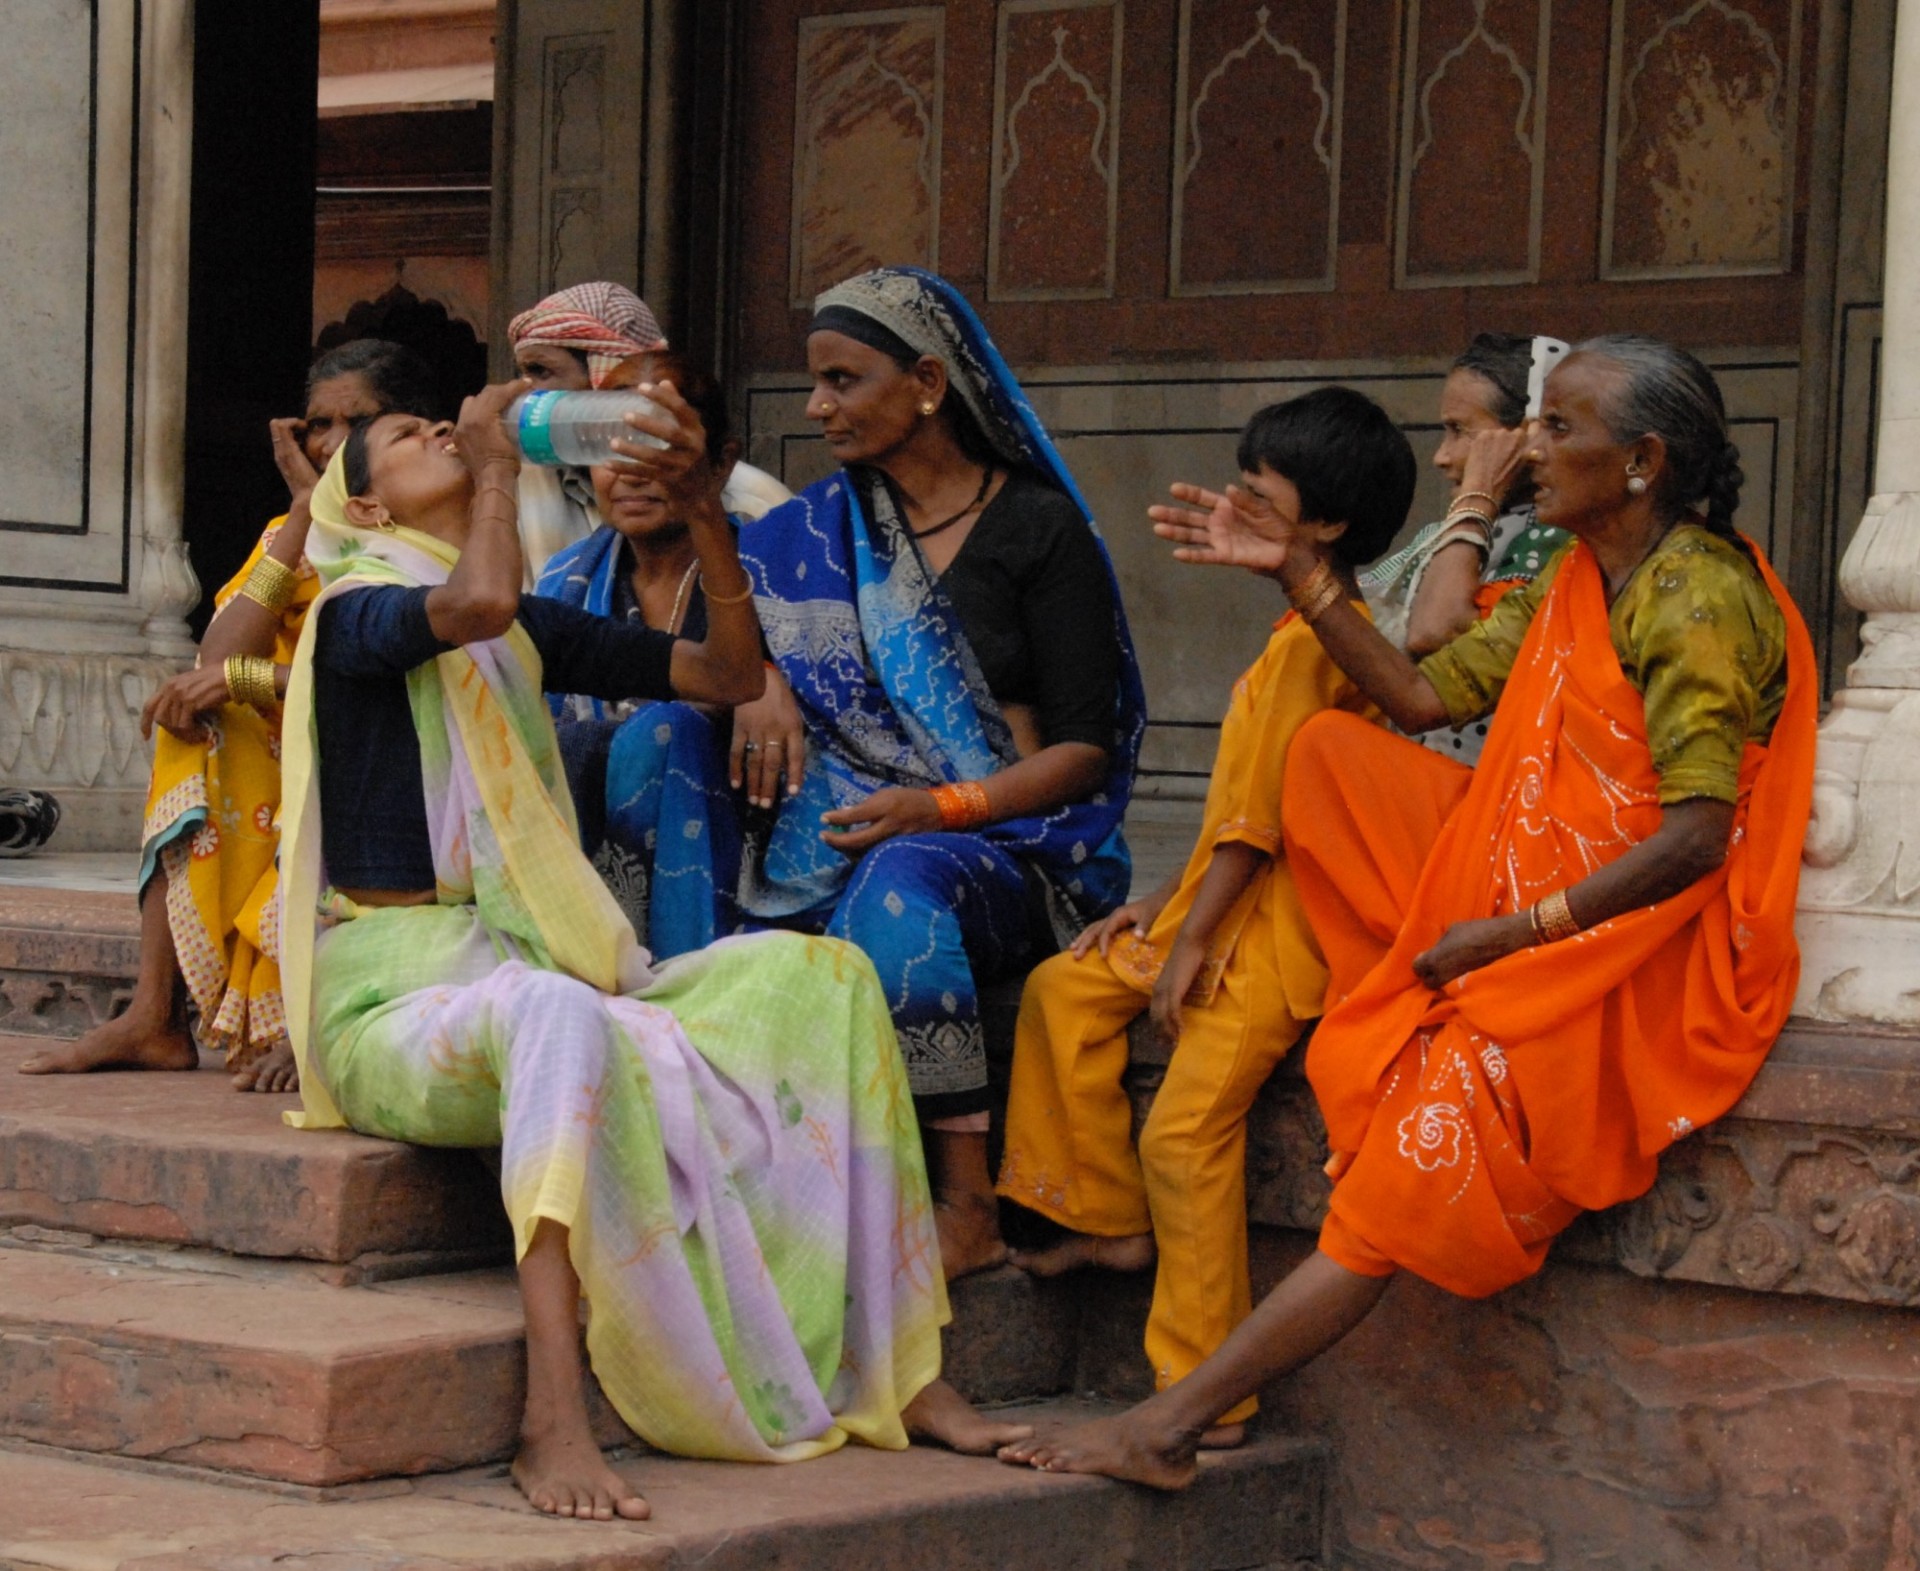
[209, 958]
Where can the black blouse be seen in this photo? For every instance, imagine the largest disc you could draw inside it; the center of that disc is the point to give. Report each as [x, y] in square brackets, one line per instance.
[373, 809]
[1035, 600]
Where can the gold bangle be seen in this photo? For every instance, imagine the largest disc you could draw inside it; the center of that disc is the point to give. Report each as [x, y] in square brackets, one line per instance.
[250, 681]
[963, 805]
[1312, 608]
[713, 599]
[1310, 588]
[1488, 497]
[270, 584]
[1553, 919]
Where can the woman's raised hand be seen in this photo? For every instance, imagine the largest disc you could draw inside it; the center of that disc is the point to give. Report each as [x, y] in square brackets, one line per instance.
[1497, 460]
[481, 435]
[290, 457]
[1230, 529]
[680, 468]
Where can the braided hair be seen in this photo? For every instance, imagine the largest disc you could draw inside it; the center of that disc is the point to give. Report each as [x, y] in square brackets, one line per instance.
[1666, 392]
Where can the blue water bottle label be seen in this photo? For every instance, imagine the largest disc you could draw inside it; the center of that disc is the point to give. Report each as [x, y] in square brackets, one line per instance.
[536, 436]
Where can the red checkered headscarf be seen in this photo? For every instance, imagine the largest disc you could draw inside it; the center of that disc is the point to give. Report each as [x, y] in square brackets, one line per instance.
[605, 322]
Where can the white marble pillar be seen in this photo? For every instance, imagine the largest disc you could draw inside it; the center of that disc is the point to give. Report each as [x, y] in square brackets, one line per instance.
[1860, 890]
[95, 160]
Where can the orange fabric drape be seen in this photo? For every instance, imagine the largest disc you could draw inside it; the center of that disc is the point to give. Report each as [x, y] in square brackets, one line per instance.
[1471, 1125]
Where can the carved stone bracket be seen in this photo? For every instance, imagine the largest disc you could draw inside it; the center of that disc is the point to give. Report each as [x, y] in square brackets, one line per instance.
[74, 720]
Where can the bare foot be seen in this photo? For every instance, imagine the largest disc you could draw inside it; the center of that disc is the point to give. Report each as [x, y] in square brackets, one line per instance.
[970, 1239]
[1077, 1251]
[1224, 1437]
[565, 1475]
[942, 1415]
[1132, 1446]
[124, 1042]
[274, 1070]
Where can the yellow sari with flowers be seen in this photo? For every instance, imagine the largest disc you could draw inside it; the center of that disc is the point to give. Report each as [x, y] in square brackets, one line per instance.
[213, 826]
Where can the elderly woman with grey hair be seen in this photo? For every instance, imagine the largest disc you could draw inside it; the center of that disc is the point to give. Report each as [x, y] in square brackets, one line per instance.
[1546, 970]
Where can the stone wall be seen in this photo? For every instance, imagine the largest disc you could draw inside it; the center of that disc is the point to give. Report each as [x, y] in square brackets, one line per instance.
[94, 580]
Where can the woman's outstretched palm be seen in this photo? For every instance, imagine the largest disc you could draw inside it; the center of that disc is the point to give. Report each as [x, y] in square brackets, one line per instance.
[1234, 529]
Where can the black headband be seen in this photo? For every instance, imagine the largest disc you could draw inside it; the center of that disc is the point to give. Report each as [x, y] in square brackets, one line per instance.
[863, 329]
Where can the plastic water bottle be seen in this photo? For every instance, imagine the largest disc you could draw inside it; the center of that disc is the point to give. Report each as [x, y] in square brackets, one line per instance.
[561, 429]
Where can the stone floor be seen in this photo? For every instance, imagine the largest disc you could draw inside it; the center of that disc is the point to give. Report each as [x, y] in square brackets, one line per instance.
[858, 1510]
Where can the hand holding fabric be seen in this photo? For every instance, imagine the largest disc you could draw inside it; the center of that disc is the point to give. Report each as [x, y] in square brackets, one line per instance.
[182, 702]
[1467, 946]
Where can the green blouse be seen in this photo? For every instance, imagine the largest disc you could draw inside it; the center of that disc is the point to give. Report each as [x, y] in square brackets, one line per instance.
[1697, 632]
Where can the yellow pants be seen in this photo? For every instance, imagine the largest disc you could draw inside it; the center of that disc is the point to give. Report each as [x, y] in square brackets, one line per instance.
[1070, 1152]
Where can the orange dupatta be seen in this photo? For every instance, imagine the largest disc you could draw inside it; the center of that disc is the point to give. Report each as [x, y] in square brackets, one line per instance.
[1471, 1125]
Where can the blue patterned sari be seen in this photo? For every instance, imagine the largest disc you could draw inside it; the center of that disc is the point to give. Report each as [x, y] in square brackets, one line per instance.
[893, 696]
[657, 817]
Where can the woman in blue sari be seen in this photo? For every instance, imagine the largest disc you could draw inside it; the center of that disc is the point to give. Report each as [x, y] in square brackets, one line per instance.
[947, 618]
[653, 783]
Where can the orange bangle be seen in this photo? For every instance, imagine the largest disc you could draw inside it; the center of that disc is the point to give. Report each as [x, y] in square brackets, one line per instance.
[962, 805]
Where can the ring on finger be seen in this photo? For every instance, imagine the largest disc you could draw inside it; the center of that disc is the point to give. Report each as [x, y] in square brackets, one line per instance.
[751, 747]
[776, 742]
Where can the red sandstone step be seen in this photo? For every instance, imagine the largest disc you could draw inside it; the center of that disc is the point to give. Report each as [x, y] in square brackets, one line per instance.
[281, 1376]
[857, 1510]
[275, 1378]
[67, 959]
[185, 1159]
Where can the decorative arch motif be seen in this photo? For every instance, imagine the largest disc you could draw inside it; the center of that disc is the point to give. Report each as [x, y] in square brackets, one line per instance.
[1702, 126]
[1475, 84]
[867, 122]
[1054, 206]
[1233, 148]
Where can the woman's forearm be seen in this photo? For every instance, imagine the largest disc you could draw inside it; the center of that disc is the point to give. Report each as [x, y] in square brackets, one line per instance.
[726, 667]
[481, 596]
[1443, 606]
[1379, 670]
[1046, 780]
[1233, 867]
[1690, 843]
[243, 626]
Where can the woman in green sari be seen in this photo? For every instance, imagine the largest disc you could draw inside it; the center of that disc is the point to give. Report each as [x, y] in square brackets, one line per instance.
[718, 1153]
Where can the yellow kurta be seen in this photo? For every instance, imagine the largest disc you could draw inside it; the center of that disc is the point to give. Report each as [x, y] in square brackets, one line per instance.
[1069, 1146]
[212, 824]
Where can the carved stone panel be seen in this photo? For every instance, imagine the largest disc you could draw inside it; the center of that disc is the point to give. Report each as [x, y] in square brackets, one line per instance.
[1702, 118]
[866, 165]
[1473, 97]
[1056, 150]
[1257, 133]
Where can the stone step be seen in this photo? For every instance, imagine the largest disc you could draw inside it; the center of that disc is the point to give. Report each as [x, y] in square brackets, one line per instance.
[244, 1366]
[67, 957]
[183, 1159]
[857, 1510]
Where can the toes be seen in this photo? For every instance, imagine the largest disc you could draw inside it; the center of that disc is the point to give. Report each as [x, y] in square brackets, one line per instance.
[634, 1508]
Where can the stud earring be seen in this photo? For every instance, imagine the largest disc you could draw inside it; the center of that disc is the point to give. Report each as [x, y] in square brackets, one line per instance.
[927, 409]
[1636, 485]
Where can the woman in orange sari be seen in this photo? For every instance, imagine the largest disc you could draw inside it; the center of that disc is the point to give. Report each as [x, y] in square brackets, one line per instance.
[1544, 972]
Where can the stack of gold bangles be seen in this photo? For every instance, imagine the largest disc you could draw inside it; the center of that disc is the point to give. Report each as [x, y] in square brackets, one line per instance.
[962, 805]
[1315, 593]
[1553, 918]
[1469, 523]
[270, 584]
[250, 681]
